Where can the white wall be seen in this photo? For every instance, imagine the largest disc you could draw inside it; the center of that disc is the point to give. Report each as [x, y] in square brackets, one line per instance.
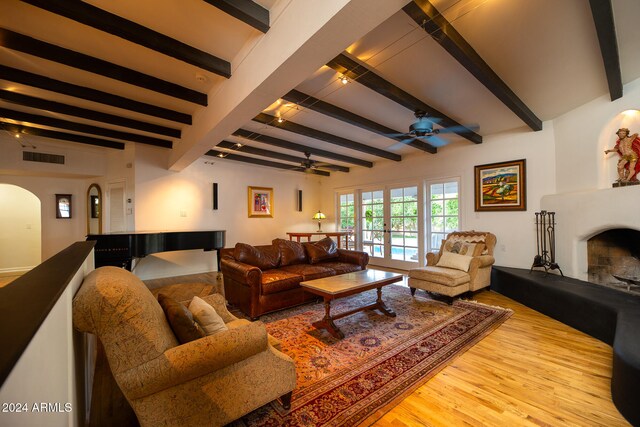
[583, 134]
[167, 200]
[515, 230]
[20, 230]
[82, 165]
[50, 368]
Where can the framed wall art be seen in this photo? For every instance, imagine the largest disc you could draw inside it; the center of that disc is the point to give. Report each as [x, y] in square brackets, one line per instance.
[501, 186]
[63, 206]
[260, 202]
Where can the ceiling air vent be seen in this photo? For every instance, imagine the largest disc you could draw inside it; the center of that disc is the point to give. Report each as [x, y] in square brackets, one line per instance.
[31, 156]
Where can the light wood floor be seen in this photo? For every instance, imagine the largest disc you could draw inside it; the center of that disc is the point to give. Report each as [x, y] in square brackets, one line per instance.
[531, 371]
[5, 280]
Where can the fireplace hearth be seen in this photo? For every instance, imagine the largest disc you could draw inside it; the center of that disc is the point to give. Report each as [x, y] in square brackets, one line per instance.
[614, 259]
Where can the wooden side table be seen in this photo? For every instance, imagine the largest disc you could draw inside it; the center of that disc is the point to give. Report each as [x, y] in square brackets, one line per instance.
[337, 234]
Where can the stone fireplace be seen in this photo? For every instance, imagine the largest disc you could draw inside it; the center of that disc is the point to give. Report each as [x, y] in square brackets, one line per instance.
[606, 220]
[613, 259]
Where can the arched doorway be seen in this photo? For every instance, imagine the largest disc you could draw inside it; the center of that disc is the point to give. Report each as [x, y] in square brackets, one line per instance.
[20, 230]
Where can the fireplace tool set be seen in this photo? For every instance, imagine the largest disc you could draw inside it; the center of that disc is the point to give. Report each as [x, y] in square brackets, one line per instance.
[546, 242]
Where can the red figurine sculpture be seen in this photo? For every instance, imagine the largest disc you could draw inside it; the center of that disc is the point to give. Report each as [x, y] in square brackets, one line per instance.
[628, 147]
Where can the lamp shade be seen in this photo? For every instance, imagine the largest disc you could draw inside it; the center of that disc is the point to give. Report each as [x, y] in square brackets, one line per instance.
[319, 215]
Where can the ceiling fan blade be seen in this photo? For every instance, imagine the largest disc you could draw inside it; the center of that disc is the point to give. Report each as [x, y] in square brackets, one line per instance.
[401, 144]
[460, 128]
[394, 135]
[436, 141]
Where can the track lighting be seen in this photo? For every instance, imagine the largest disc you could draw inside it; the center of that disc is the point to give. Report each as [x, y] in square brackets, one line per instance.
[344, 79]
[280, 120]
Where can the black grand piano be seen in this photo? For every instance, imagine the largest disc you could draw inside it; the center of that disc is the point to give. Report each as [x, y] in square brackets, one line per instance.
[119, 249]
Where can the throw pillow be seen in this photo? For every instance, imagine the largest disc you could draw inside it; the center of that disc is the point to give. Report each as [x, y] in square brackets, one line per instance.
[290, 252]
[455, 261]
[263, 258]
[180, 320]
[206, 316]
[463, 248]
[321, 250]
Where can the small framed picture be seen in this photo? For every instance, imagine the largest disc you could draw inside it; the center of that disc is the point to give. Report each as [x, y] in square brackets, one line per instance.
[63, 206]
[260, 202]
[501, 186]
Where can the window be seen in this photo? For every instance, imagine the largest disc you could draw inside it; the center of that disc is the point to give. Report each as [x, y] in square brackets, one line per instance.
[444, 212]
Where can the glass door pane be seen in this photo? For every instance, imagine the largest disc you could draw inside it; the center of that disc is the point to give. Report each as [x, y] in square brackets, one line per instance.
[404, 223]
[373, 223]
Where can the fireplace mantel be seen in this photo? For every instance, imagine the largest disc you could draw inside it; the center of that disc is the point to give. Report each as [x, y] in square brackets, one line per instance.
[581, 215]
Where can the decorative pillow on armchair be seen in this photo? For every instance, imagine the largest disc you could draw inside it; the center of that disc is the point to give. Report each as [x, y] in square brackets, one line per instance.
[290, 252]
[463, 248]
[206, 316]
[263, 258]
[455, 261]
[321, 250]
[180, 320]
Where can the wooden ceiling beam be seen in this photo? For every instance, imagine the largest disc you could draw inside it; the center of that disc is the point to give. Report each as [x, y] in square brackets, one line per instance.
[31, 46]
[81, 127]
[277, 142]
[63, 136]
[30, 79]
[367, 77]
[92, 16]
[247, 11]
[323, 136]
[441, 30]
[341, 114]
[602, 12]
[276, 155]
[261, 162]
[85, 113]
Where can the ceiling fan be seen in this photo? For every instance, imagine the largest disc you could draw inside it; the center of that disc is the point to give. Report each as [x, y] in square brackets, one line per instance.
[311, 166]
[423, 129]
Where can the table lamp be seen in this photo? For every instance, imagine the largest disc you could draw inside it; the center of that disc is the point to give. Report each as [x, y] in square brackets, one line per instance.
[319, 216]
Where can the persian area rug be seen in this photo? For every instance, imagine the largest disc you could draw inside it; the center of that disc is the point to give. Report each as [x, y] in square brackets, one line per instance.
[382, 359]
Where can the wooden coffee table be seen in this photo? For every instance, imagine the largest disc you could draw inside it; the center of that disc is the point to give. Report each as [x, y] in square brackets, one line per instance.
[343, 285]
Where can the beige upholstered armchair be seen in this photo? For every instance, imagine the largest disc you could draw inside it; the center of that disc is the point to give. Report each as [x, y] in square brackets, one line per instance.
[463, 264]
[210, 381]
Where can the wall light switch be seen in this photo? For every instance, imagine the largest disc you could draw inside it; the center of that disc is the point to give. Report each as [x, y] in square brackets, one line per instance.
[183, 213]
[129, 211]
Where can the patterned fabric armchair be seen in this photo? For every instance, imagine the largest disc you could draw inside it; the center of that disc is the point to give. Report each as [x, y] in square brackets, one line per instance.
[463, 264]
[210, 381]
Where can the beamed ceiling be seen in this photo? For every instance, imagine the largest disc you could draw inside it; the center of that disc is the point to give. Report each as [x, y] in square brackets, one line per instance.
[112, 72]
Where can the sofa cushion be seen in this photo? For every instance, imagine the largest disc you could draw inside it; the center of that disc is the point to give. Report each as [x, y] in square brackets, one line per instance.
[290, 252]
[264, 258]
[277, 280]
[340, 267]
[180, 319]
[441, 275]
[309, 272]
[206, 316]
[454, 260]
[321, 250]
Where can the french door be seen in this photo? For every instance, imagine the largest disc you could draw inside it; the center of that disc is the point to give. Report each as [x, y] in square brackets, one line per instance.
[389, 225]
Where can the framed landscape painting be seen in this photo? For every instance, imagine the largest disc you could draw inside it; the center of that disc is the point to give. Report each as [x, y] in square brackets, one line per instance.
[501, 186]
[260, 202]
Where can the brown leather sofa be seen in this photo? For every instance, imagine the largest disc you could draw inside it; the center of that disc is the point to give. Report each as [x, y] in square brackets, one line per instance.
[266, 278]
